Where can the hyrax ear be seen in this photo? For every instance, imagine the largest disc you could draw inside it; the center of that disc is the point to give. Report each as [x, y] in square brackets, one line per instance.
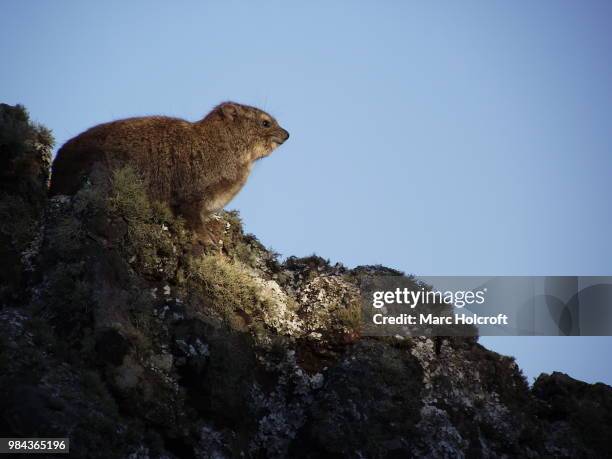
[229, 110]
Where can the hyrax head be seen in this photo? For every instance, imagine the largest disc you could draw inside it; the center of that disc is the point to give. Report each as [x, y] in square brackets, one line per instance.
[259, 132]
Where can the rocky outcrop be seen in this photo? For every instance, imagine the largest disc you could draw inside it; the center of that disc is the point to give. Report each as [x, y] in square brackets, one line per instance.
[136, 338]
[25, 159]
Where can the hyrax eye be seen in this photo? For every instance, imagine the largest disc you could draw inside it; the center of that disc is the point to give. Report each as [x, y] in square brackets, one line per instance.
[266, 123]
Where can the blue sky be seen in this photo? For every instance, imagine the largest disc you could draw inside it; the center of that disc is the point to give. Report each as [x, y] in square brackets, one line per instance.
[440, 138]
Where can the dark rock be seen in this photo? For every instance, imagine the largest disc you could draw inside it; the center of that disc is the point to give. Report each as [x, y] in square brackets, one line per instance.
[25, 158]
[111, 346]
[139, 339]
[577, 415]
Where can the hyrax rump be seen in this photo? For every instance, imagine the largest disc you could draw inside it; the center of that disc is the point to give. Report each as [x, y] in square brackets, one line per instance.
[196, 168]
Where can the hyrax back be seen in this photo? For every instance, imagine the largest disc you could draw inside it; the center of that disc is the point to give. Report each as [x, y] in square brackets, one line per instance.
[196, 168]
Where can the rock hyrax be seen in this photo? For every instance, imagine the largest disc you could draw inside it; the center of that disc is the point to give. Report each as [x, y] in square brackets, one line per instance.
[196, 168]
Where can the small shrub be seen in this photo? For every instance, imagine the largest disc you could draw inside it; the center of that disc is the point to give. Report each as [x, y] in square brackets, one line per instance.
[227, 288]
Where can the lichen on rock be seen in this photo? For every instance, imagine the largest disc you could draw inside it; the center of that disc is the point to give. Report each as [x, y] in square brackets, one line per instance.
[25, 158]
[138, 338]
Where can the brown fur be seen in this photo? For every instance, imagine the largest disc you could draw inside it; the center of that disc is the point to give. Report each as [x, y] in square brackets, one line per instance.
[197, 168]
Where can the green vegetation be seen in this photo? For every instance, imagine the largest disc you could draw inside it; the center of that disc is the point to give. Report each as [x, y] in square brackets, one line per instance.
[25, 157]
[228, 289]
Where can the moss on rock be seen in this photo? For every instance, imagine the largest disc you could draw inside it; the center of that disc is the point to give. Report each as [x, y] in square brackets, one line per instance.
[25, 157]
[138, 338]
